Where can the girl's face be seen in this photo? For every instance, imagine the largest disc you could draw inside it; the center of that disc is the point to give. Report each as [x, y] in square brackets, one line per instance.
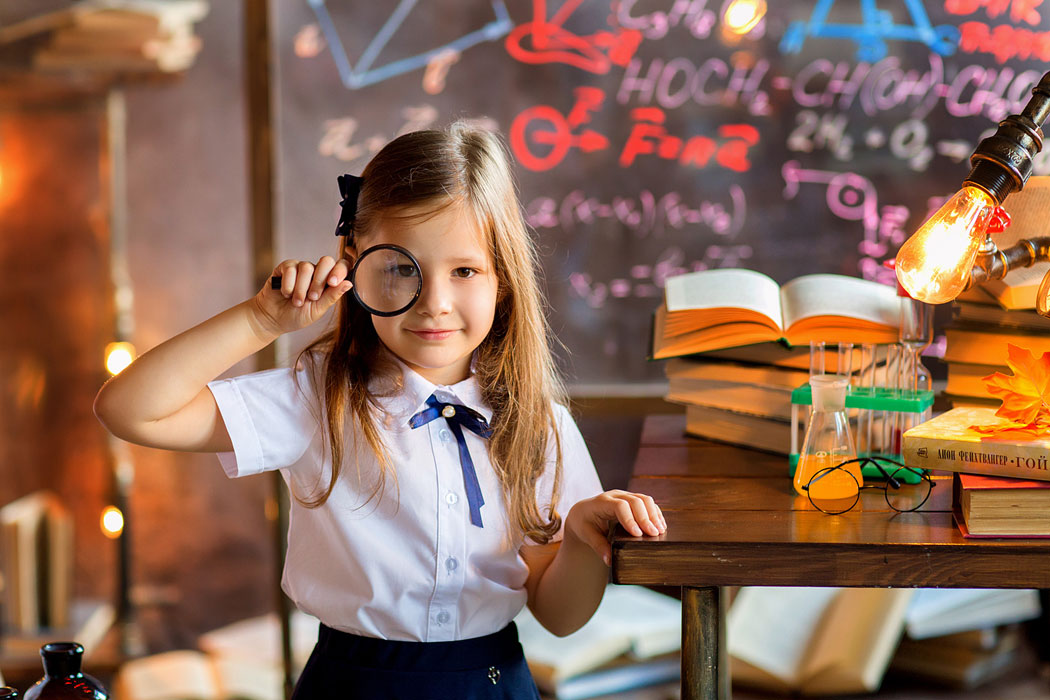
[453, 315]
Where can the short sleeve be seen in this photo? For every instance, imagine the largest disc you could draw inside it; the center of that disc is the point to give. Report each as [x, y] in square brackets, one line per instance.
[579, 479]
[269, 417]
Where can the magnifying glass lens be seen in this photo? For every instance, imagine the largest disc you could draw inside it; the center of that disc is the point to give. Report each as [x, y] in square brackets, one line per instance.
[386, 281]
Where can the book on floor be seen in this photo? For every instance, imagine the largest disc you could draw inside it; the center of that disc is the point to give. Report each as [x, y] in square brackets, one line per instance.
[957, 660]
[89, 622]
[755, 389]
[947, 442]
[815, 641]
[716, 309]
[934, 612]
[989, 506]
[633, 626]
[194, 675]
[735, 428]
[239, 661]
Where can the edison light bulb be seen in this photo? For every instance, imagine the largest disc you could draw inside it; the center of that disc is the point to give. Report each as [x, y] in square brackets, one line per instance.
[934, 264]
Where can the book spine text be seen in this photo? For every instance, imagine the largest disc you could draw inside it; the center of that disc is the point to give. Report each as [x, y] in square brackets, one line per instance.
[990, 458]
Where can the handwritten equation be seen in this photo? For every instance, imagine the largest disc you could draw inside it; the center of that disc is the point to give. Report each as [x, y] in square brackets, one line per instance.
[854, 83]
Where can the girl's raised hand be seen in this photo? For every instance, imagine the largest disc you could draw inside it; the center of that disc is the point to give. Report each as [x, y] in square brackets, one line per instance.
[590, 519]
[307, 291]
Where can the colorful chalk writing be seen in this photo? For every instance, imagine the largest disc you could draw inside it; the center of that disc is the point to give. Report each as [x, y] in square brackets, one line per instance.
[645, 215]
[362, 74]
[648, 141]
[544, 40]
[679, 81]
[694, 15]
[541, 137]
[875, 28]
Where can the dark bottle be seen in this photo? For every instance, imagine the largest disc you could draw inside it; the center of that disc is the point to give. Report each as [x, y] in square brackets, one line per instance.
[8, 693]
[62, 677]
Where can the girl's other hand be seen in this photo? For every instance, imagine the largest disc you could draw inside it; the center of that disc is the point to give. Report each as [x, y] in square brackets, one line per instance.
[307, 291]
[590, 520]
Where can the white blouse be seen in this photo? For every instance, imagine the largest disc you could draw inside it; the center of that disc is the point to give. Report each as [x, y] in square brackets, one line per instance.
[409, 566]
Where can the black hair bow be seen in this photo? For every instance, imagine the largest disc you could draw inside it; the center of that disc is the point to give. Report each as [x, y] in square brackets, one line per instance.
[349, 188]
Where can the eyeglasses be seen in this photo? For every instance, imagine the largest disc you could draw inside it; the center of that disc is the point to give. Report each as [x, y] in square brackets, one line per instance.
[835, 490]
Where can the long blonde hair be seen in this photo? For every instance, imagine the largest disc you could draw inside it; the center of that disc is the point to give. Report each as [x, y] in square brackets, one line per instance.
[514, 368]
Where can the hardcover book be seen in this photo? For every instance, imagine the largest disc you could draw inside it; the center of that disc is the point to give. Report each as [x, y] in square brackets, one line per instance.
[986, 345]
[966, 379]
[814, 641]
[947, 442]
[736, 428]
[990, 506]
[760, 390]
[715, 309]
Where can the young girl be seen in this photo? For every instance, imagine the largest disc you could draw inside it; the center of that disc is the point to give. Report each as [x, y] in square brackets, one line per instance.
[439, 482]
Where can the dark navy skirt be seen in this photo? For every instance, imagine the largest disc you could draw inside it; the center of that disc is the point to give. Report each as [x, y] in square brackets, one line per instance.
[347, 667]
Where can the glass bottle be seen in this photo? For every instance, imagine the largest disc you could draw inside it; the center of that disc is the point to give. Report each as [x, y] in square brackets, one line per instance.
[828, 442]
[8, 693]
[63, 679]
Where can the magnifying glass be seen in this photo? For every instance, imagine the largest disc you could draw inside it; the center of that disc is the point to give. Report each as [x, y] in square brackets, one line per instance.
[387, 280]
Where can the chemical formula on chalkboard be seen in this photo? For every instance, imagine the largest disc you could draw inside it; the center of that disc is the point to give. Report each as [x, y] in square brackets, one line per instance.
[654, 137]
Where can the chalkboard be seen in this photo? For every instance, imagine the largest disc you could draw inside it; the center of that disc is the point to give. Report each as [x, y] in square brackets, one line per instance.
[651, 139]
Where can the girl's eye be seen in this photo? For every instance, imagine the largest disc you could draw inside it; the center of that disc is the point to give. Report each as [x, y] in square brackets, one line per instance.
[402, 270]
[464, 272]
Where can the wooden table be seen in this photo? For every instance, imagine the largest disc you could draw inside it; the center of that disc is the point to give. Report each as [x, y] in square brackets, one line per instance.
[733, 520]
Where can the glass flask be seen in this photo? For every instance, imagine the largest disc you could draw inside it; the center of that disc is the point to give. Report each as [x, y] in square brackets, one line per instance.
[828, 443]
[63, 679]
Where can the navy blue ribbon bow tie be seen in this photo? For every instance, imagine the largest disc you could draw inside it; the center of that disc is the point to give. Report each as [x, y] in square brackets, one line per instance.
[459, 417]
[349, 189]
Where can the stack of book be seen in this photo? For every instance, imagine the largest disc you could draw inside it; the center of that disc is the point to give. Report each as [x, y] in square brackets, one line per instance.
[742, 344]
[986, 318]
[963, 660]
[976, 344]
[1001, 486]
[112, 36]
[746, 404]
[964, 638]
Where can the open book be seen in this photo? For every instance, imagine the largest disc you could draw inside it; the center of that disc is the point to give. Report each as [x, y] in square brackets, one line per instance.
[194, 675]
[715, 309]
[934, 612]
[241, 661]
[633, 625]
[817, 641]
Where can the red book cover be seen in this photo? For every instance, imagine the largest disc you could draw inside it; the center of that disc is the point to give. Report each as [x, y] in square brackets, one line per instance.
[978, 481]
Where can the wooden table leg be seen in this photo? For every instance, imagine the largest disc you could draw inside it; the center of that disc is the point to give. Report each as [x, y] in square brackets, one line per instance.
[705, 661]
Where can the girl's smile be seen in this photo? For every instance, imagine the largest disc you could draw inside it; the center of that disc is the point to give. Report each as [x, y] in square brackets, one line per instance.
[432, 334]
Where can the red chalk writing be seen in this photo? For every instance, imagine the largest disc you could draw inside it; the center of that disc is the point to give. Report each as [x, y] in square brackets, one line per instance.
[545, 40]
[541, 137]
[1020, 10]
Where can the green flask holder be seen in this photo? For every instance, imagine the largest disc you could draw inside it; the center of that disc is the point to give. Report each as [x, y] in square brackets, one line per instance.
[888, 400]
